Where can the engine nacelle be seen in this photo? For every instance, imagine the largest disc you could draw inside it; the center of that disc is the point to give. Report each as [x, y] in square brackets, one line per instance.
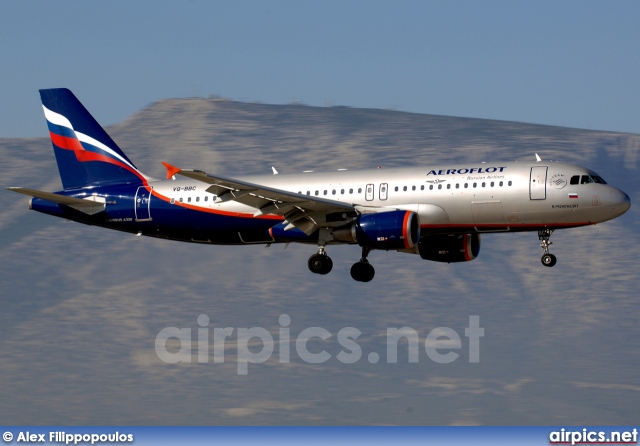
[450, 248]
[383, 230]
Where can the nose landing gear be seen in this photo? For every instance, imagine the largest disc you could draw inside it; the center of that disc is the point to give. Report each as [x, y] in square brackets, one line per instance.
[547, 259]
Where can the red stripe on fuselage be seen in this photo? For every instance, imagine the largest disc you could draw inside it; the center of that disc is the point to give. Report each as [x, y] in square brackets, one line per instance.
[506, 228]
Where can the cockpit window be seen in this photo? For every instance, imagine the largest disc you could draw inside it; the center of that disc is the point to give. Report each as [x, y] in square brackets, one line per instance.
[590, 179]
[586, 179]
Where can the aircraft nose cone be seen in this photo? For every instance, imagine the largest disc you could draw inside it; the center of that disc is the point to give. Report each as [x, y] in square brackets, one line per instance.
[620, 201]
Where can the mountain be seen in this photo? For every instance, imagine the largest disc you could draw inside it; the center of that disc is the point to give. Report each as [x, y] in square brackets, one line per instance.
[82, 306]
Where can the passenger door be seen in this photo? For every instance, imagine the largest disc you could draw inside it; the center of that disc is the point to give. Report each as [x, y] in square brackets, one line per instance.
[142, 204]
[538, 183]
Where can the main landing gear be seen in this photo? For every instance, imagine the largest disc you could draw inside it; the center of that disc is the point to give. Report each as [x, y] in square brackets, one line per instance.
[320, 263]
[547, 259]
[362, 271]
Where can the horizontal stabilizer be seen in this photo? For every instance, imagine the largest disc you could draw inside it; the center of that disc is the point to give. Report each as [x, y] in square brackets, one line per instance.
[90, 205]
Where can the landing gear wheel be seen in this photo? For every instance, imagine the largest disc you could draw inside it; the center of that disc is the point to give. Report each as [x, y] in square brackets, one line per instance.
[320, 264]
[548, 260]
[362, 272]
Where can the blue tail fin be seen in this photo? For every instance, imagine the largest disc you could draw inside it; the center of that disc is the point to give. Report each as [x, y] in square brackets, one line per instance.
[86, 154]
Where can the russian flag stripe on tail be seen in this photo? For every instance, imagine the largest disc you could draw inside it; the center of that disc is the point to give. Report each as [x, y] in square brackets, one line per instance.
[86, 154]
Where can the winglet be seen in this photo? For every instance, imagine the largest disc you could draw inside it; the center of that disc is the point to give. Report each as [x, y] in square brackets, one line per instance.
[275, 172]
[171, 170]
[538, 159]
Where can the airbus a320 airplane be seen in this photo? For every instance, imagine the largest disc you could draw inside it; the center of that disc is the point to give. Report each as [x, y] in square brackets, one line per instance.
[437, 212]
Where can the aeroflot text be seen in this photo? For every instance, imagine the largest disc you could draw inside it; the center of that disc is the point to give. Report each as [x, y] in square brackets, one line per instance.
[466, 171]
[256, 345]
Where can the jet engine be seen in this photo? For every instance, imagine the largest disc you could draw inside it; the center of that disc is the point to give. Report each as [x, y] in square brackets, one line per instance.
[450, 248]
[382, 230]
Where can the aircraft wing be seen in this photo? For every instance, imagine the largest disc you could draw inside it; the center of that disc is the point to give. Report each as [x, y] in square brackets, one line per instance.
[304, 212]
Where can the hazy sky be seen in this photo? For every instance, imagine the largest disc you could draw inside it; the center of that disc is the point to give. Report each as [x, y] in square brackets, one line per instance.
[564, 63]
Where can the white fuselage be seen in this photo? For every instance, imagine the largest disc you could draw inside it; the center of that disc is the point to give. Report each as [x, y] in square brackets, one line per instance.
[484, 197]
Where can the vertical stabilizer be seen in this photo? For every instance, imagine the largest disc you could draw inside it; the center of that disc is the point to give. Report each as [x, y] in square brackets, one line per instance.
[86, 154]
